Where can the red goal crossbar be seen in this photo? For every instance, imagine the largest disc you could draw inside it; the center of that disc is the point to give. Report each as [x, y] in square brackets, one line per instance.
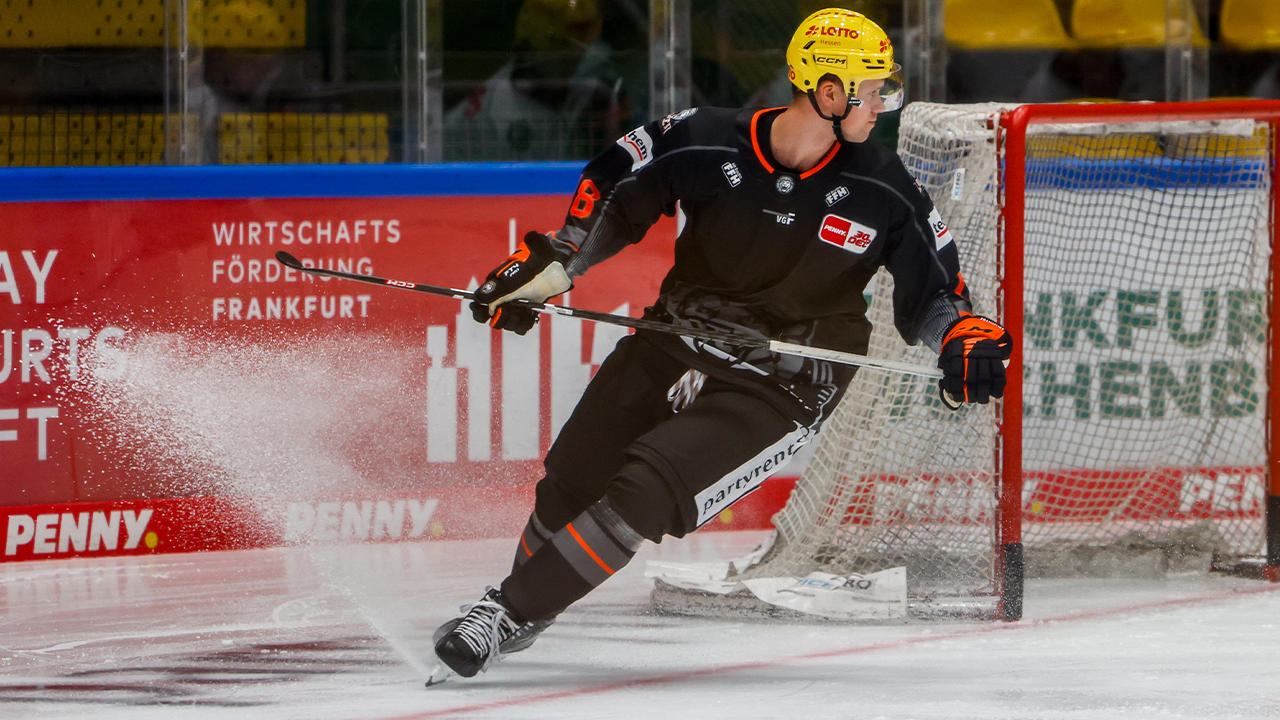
[1013, 128]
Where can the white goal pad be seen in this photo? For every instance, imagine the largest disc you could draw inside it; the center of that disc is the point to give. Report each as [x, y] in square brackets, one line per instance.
[880, 595]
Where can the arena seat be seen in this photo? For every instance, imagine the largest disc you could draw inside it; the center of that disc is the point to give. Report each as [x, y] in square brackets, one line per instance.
[1124, 23]
[247, 24]
[1250, 25]
[1005, 24]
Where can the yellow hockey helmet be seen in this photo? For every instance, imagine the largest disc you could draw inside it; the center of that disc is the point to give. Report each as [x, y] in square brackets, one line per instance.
[849, 46]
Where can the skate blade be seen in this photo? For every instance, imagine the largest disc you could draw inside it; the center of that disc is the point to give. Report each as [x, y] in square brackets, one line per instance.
[439, 674]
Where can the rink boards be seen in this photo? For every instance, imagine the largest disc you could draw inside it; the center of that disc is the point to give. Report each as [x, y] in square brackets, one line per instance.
[166, 385]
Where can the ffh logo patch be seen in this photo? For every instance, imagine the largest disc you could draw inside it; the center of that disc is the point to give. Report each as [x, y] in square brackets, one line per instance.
[732, 174]
[846, 234]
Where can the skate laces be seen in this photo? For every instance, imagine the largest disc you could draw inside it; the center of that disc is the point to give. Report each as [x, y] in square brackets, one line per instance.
[485, 624]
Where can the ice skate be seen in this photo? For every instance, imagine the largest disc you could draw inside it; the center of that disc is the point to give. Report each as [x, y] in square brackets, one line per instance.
[522, 639]
[475, 640]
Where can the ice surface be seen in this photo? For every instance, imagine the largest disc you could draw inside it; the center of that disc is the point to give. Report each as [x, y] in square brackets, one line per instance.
[344, 632]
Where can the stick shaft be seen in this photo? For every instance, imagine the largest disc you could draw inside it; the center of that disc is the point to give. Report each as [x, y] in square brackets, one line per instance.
[777, 346]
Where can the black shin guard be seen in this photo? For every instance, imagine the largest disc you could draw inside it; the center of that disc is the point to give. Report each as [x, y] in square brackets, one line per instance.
[535, 534]
[578, 558]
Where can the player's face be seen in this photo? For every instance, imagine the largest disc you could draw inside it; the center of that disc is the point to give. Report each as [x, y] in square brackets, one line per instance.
[857, 127]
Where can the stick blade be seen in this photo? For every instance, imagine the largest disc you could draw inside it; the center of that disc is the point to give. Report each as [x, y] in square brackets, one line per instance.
[288, 260]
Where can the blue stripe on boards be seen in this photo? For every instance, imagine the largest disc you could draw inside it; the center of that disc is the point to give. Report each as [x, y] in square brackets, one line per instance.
[1237, 173]
[287, 181]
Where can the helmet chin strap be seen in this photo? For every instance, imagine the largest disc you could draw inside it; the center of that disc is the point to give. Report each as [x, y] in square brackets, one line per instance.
[835, 119]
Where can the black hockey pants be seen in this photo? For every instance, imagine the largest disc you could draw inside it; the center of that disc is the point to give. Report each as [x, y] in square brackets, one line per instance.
[626, 467]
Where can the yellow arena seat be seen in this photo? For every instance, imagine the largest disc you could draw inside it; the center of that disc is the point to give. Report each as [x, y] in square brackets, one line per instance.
[81, 137]
[1124, 23]
[288, 137]
[1250, 25]
[1006, 24]
[257, 24]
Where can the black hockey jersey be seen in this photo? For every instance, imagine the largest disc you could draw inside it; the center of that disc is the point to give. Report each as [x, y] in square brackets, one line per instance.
[765, 249]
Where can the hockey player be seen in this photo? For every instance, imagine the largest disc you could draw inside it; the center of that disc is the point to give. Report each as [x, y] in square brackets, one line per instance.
[788, 215]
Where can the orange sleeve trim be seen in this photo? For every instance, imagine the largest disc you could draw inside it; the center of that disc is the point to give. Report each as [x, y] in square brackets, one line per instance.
[590, 552]
[960, 285]
[525, 545]
[552, 235]
[835, 148]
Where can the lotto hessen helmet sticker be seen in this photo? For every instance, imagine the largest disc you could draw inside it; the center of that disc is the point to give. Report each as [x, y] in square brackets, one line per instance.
[848, 45]
[846, 234]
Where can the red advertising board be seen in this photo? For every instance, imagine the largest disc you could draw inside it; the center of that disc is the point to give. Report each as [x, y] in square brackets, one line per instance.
[153, 353]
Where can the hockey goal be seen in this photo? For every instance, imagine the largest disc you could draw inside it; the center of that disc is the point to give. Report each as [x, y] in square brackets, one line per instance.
[1129, 249]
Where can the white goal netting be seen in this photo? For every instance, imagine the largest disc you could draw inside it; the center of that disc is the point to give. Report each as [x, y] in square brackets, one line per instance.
[1147, 256]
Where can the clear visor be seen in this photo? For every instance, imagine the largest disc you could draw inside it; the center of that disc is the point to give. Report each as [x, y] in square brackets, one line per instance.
[890, 92]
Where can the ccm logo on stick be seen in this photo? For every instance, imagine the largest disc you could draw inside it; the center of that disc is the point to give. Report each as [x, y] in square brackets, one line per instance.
[847, 234]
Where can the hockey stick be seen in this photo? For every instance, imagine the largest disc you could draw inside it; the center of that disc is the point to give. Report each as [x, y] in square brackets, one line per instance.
[777, 346]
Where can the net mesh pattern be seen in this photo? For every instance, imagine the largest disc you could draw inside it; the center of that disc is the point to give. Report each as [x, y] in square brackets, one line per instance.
[1145, 342]
[1147, 250]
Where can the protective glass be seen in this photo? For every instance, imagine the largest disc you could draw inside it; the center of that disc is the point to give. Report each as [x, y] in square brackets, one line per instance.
[891, 93]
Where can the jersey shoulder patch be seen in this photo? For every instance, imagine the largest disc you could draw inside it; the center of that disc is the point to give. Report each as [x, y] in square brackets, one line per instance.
[639, 146]
[670, 121]
[941, 234]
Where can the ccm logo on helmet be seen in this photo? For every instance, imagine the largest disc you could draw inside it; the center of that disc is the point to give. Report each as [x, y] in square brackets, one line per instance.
[831, 61]
[846, 234]
[836, 31]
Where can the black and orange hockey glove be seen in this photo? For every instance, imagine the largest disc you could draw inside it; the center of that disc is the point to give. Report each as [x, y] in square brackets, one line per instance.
[975, 351]
[535, 272]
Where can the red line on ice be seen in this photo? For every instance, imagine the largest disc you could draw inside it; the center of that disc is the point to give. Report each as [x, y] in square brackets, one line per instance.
[858, 650]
